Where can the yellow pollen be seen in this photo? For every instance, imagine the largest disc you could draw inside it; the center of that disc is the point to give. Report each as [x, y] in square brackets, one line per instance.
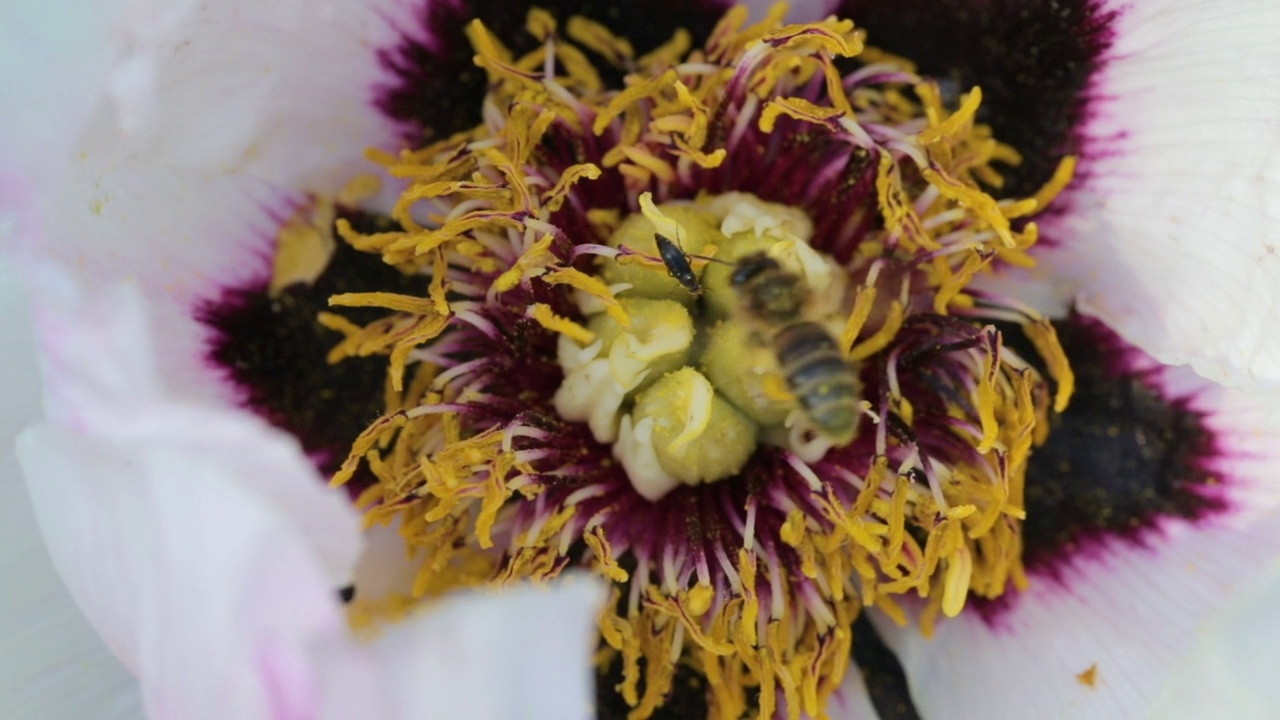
[303, 247]
[661, 360]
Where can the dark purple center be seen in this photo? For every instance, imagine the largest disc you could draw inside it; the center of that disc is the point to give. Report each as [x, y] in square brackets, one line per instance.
[274, 350]
[687, 700]
[1033, 60]
[1122, 457]
[885, 680]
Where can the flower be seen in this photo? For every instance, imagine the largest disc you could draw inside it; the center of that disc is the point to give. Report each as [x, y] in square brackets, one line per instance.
[129, 413]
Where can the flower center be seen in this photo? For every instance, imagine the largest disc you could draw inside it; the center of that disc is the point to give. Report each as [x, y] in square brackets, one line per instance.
[717, 352]
[757, 404]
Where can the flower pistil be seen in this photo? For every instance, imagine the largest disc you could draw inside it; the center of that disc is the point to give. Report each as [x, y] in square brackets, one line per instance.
[557, 397]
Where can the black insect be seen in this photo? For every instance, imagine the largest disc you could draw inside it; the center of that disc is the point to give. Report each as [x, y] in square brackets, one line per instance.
[678, 266]
[347, 594]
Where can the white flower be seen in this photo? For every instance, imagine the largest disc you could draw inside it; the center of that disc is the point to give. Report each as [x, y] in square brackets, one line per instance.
[156, 145]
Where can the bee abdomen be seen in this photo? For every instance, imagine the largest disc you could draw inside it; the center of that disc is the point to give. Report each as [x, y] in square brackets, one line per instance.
[817, 374]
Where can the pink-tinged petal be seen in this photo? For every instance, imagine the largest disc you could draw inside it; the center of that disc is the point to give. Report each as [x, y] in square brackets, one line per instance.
[207, 552]
[210, 595]
[100, 359]
[52, 663]
[1101, 636]
[197, 540]
[522, 653]
[200, 586]
[1171, 235]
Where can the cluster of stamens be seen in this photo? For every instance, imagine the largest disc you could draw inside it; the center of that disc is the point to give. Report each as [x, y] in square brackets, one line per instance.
[557, 398]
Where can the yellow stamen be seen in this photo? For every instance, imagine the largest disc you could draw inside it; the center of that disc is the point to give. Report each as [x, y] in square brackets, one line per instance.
[547, 318]
[590, 285]
[484, 206]
[882, 337]
[532, 263]
[862, 305]
[599, 545]
[596, 37]
[1062, 177]
[1045, 340]
[555, 198]
[958, 280]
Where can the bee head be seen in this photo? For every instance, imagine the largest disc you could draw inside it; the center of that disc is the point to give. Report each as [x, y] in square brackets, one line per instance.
[768, 291]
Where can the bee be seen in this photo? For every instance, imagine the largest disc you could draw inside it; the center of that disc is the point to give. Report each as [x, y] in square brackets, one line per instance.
[808, 356]
[678, 266]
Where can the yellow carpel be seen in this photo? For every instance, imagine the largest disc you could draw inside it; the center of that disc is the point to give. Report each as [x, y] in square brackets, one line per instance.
[697, 415]
[488, 207]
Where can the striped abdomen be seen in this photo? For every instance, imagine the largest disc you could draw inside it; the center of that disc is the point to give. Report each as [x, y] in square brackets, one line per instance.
[819, 377]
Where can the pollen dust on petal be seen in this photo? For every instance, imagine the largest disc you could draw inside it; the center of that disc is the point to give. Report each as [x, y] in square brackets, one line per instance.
[1089, 678]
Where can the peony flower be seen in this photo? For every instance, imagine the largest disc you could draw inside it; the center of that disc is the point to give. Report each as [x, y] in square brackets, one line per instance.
[850, 358]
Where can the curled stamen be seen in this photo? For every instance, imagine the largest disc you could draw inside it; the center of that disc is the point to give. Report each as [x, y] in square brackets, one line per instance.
[686, 416]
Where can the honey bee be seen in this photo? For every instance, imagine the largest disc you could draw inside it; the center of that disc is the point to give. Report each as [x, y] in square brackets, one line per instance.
[808, 356]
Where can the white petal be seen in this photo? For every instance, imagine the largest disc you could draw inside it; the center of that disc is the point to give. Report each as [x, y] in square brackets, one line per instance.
[126, 123]
[522, 653]
[183, 530]
[279, 90]
[1174, 235]
[44, 47]
[385, 569]
[211, 120]
[100, 359]
[173, 558]
[52, 663]
[1132, 613]
[1233, 669]
[188, 530]
[851, 701]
